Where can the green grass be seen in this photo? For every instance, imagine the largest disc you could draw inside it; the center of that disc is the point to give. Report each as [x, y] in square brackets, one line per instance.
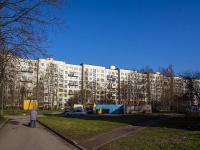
[175, 133]
[2, 120]
[81, 128]
[7, 112]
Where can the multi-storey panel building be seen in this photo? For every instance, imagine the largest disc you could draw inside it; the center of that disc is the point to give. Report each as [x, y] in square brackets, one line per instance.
[53, 83]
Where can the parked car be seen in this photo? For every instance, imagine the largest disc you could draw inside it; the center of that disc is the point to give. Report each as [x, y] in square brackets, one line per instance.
[77, 113]
[89, 110]
[193, 110]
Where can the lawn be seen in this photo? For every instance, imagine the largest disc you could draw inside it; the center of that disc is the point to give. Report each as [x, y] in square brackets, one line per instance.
[175, 133]
[84, 127]
[7, 112]
[2, 120]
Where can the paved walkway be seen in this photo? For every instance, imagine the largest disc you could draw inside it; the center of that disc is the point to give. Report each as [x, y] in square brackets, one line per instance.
[99, 140]
[16, 135]
[42, 138]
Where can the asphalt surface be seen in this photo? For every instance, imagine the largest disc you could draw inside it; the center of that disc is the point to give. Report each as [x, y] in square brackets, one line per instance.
[16, 135]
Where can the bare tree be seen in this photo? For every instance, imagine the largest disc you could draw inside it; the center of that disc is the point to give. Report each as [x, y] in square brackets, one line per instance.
[77, 97]
[24, 25]
[124, 90]
[146, 69]
[168, 95]
[51, 83]
[192, 81]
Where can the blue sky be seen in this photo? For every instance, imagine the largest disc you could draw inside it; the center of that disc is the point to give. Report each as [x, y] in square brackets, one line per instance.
[131, 34]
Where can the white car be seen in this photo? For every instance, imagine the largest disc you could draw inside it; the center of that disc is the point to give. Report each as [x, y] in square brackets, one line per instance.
[77, 113]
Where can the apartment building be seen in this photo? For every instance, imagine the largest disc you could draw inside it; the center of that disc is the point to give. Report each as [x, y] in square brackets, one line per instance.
[53, 83]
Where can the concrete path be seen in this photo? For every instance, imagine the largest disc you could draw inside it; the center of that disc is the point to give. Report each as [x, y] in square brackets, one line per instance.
[100, 140]
[16, 135]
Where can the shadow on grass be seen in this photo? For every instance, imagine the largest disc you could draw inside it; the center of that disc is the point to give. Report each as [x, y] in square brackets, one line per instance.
[184, 123]
[144, 120]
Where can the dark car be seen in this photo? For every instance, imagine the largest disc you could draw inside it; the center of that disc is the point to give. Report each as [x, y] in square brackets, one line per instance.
[89, 110]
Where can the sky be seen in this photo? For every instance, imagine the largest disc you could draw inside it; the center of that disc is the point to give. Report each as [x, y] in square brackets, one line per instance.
[130, 34]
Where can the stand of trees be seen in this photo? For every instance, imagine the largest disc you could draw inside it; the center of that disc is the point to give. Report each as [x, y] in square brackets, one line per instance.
[24, 26]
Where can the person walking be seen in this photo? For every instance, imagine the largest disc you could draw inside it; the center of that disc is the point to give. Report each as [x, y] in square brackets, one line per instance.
[33, 117]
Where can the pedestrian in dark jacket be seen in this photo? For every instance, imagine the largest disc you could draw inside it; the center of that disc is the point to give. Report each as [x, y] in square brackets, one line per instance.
[33, 117]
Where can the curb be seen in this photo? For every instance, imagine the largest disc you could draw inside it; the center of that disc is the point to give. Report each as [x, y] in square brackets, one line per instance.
[63, 137]
[1, 125]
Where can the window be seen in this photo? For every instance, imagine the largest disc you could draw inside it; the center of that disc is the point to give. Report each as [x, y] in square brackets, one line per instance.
[60, 85]
[60, 90]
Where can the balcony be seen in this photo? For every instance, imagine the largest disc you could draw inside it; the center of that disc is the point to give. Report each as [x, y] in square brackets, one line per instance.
[71, 93]
[28, 81]
[72, 74]
[113, 86]
[27, 70]
[29, 91]
[73, 84]
[114, 94]
[111, 77]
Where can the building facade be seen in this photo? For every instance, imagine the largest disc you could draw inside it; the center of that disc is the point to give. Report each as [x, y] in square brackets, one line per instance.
[55, 83]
